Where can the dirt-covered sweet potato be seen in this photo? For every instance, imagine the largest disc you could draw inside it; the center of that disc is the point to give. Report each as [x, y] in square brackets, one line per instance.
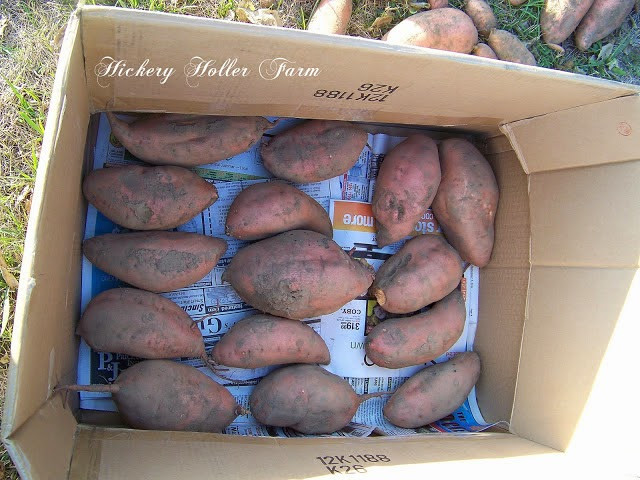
[433, 4]
[402, 342]
[484, 50]
[148, 198]
[155, 261]
[264, 340]
[269, 208]
[297, 274]
[188, 140]
[407, 182]
[139, 323]
[603, 17]
[482, 16]
[443, 29]
[559, 18]
[331, 16]
[466, 202]
[423, 271]
[306, 398]
[167, 395]
[433, 393]
[509, 48]
[314, 150]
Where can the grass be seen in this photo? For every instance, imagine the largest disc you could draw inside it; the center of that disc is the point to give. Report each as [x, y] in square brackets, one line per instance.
[30, 34]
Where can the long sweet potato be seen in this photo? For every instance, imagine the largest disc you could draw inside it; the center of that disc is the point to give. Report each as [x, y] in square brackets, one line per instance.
[509, 48]
[155, 261]
[433, 393]
[297, 274]
[313, 151]
[603, 17]
[482, 16]
[406, 185]
[148, 198]
[331, 16]
[264, 340]
[559, 18]
[402, 342]
[269, 208]
[188, 140]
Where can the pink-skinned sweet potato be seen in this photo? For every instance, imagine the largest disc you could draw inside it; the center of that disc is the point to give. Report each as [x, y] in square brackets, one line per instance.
[482, 16]
[510, 48]
[603, 17]
[559, 18]
[331, 16]
[484, 50]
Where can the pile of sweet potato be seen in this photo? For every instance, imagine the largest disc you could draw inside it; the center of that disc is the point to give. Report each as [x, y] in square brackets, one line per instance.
[293, 270]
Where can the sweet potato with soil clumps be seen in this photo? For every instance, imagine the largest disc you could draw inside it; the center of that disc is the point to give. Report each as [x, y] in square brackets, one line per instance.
[313, 151]
[306, 398]
[603, 17]
[509, 48]
[166, 395]
[433, 393]
[423, 271]
[188, 140]
[331, 16]
[297, 274]
[139, 323]
[559, 18]
[148, 198]
[407, 182]
[482, 16]
[402, 342]
[264, 340]
[155, 261]
[443, 29]
[484, 50]
[466, 202]
[269, 208]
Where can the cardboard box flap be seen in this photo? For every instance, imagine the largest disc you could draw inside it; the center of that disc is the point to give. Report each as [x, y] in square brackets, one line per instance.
[150, 62]
[604, 132]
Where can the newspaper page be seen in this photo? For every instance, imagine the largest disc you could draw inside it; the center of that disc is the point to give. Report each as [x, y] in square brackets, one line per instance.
[215, 306]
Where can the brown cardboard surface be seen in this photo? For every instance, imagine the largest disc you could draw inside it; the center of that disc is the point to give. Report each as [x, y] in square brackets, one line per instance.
[587, 216]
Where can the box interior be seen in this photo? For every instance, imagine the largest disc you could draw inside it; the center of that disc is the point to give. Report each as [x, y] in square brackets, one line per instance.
[556, 301]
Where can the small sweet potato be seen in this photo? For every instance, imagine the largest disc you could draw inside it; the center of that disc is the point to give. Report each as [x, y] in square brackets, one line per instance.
[313, 151]
[306, 398]
[484, 50]
[331, 16]
[402, 342]
[264, 340]
[155, 261]
[433, 393]
[517, 3]
[407, 182]
[433, 4]
[559, 18]
[443, 29]
[466, 202]
[509, 48]
[269, 208]
[603, 17]
[167, 395]
[188, 140]
[297, 274]
[148, 198]
[482, 16]
[423, 271]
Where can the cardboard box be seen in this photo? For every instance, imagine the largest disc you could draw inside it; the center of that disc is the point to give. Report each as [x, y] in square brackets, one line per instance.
[559, 302]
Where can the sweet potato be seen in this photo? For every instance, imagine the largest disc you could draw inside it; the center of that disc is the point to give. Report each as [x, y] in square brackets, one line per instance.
[559, 18]
[484, 50]
[517, 3]
[331, 16]
[306, 398]
[482, 16]
[166, 395]
[433, 4]
[443, 28]
[188, 140]
[423, 271]
[297, 274]
[603, 17]
[466, 202]
[313, 151]
[433, 393]
[148, 198]
[155, 261]
[407, 182]
[139, 323]
[402, 342]
[269, 208]
[264, 340]
[509, 48]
